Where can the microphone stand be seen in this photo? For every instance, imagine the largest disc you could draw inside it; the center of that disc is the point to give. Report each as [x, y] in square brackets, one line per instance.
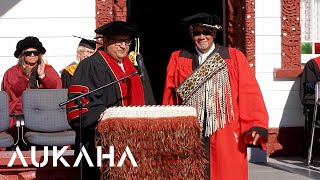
[79, 101]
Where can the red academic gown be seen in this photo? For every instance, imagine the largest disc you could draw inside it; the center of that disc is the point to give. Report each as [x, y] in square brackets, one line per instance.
[14, 83]
[228, 156]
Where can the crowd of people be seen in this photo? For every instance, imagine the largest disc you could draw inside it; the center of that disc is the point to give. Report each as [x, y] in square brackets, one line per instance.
[216, 80]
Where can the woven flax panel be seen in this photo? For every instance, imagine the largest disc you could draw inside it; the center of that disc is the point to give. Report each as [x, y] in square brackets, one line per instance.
[163, 147]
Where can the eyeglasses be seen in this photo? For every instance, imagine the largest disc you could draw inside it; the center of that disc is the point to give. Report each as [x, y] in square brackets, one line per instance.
[118, 42]
[198, 33]
[29, 53]
[87, 51]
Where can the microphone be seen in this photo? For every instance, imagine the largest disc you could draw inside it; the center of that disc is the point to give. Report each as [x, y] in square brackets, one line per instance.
[139, 59]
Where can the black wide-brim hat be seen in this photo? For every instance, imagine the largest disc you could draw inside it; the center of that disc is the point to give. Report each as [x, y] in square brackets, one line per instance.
[203, 19]
[115, 28]
[29, 42]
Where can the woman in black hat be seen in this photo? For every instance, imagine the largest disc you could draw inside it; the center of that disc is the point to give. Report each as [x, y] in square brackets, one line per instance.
[29, 73]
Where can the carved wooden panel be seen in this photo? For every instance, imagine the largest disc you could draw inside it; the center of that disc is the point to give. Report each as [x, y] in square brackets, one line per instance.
[250, 39]
[241, 27]
[290, 34]
[104, 12]
[110, 10]
[120, 10]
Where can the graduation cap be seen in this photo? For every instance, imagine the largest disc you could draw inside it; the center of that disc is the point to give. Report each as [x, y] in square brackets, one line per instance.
[88, 43]
[203, 19]
[117, 28]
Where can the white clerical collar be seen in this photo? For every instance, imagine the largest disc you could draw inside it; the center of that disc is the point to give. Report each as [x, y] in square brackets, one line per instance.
[121, 65]
[203, 56]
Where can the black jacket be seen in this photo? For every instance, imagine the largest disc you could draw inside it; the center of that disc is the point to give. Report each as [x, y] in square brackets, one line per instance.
[309, 77]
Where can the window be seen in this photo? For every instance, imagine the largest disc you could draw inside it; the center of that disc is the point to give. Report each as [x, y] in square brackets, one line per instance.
[310, 27]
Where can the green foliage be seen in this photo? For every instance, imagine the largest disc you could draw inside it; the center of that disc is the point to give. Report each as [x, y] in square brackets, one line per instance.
[306, 48]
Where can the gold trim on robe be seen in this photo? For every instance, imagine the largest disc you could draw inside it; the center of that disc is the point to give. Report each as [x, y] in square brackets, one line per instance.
[71, 68]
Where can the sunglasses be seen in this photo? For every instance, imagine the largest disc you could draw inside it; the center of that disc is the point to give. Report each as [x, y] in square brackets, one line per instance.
[29, 53]
[198, 33]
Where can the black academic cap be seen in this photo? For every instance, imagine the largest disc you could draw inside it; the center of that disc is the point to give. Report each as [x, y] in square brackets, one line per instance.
[117, 28]
[88, 43]
[203, 19]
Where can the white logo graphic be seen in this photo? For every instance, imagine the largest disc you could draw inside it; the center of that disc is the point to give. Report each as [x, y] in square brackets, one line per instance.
[58, 155]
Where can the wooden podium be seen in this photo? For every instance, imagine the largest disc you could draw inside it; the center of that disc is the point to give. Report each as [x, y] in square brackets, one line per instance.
[165, 141]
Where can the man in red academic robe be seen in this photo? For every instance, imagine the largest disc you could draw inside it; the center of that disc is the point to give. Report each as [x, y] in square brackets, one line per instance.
[219, 83]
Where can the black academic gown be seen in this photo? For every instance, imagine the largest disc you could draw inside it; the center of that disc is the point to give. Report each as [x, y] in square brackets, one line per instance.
[66, 78]
[93, 72]
[309, 77]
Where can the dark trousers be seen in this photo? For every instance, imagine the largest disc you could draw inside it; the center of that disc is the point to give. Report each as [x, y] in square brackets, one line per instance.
[88, 141]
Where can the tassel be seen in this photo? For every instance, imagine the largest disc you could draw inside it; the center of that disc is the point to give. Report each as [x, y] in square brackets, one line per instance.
[213, 102]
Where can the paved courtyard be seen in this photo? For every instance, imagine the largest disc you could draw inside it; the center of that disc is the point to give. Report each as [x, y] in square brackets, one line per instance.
[282, 168]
